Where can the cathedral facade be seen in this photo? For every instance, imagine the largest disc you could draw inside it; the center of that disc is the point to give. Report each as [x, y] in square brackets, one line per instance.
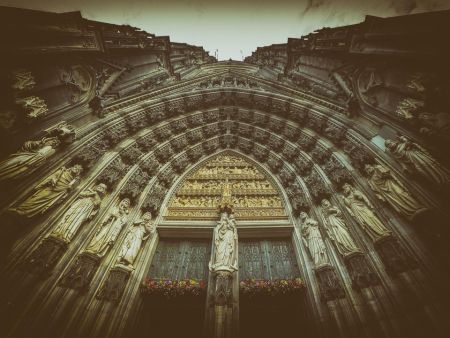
[149, 189]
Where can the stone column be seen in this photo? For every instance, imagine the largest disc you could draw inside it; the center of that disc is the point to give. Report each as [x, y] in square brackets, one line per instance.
[222, 304]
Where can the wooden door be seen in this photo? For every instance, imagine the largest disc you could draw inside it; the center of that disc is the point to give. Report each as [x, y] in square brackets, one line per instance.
[267, 259]
[181, 259]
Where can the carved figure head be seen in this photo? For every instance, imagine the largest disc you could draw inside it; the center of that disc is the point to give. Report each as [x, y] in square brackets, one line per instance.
[325, 203]
[369, 169]
[100, 188]
[124, 204]
[389, 144]
[303, 216]
[76, 169]
[347, 188]
[147, 216]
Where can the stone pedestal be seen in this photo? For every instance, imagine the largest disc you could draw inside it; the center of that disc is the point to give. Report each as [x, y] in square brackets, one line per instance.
[114, 286]
[81, 272]
[44, 258]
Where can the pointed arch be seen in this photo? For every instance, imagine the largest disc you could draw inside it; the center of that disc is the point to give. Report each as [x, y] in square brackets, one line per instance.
[255, 193]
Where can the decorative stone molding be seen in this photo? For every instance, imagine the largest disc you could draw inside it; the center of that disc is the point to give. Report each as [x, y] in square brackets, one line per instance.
[336, 172]
[297, 198]
[80, 273]
[316, 186]
[394, 256]
[130, 155]
[115, 284]
[112, 174]
[135, 184]
[303, 165]
[44, 258]
[360, 271]
[329, 283]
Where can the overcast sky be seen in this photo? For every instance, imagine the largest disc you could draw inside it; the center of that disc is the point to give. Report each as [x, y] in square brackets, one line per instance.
[234, 27]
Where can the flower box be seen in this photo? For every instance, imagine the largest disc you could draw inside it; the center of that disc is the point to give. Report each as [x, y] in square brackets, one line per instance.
[253, 288]
[171, 289]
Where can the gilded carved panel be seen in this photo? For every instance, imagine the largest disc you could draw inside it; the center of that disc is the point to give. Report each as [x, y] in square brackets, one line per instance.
[253, 195]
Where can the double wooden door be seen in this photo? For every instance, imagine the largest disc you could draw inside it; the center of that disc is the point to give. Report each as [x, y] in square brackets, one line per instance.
[267, 259]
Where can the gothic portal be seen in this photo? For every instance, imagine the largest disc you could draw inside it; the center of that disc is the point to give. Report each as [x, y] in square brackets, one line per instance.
[151, 190]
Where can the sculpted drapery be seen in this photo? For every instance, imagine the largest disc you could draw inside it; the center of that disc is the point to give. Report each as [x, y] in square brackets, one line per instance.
[50, 192]
[138, 233]
[82, 210]
[337, 229]
[361, 209]
[225, 244]
[415, 158]
[110, 229]
[313, 240]
[390, 190]
[28, 158]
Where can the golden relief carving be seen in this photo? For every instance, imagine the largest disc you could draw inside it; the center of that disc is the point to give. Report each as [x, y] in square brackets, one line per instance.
[250, 193]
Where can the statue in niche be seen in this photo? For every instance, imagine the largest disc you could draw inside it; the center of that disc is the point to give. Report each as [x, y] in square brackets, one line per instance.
[28, 158]
[34, 106]
[110, 229]
[50, 192]
[409, 108]
[337, 229]
[23, 80]
[359, 207]
[82, 210]
[138, 233]
[416, 83]
[415, 158]
[225, 244]
[313, 240]
[390, 190]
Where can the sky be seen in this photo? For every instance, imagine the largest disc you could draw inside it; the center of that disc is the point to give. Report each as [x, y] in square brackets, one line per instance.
[232, 27]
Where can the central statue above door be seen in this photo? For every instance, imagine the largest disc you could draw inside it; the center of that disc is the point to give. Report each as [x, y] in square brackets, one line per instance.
[253, 194]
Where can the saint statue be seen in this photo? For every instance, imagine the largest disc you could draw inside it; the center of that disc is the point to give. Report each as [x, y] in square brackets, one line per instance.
[337, 229]
[415, 158]
[50, 192]
[390, 190]
[110, 229]
[225, 244]
[32, 155]
[138, 233]
[359, 207]
[313, 240]
[82, 210]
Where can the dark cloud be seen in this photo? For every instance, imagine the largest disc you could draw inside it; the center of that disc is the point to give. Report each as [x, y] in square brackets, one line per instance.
[404, 6]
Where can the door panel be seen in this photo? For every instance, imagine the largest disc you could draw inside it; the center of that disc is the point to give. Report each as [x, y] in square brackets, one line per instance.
[181, 259]
[267, 259]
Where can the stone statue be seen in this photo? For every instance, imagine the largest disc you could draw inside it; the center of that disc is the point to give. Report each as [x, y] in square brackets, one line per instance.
[337, 229]
[225, 244]
[23, 80]
[32, 155]
[82, 210]
[409, 108]
[50, 192]
[415, 158]
[110, 229]
[390, 190]
[138, 233]
[313, 240]
[34, 106]
[359, 207]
